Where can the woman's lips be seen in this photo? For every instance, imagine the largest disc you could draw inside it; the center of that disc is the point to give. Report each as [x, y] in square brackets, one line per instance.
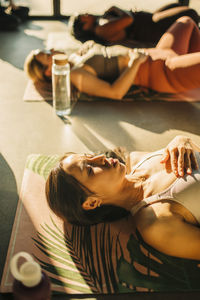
[116, 161]
[113, 162]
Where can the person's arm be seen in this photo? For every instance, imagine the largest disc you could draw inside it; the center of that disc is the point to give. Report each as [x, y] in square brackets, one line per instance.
[183, 61]
[158, 16]
[169, 234]
[179, 155]
[113, 30]
[116, 11]
[89, 83]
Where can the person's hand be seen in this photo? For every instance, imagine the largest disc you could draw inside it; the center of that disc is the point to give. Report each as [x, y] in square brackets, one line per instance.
[85, 47]
[179, 156]
[137, 54]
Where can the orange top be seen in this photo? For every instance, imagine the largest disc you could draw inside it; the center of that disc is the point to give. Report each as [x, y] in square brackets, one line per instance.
[157, 76]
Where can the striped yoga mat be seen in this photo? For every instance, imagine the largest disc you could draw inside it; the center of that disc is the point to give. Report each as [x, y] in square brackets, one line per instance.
[103, 258]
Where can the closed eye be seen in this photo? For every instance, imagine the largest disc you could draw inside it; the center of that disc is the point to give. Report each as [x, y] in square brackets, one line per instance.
[89, 170]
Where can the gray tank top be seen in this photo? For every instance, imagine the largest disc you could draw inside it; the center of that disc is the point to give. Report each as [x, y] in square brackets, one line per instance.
[104, 61]
[184, 190]
[105, 67]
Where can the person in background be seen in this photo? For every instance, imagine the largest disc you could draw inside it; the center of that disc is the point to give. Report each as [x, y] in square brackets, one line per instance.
[117, 25]
[19, 11]
[173, 66]
[12, 15]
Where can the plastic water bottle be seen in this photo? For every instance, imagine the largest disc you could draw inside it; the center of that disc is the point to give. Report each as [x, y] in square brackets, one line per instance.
[61, 85]
[30, 281]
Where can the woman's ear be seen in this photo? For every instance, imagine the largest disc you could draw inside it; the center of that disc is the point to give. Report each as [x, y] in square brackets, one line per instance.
[92, 202]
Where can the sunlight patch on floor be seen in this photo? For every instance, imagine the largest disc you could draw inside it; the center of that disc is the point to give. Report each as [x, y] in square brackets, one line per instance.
[105, 142]
[43, 28]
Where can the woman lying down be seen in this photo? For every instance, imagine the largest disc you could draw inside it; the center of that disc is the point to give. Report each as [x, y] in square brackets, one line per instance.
[173, 66]
[160, 189]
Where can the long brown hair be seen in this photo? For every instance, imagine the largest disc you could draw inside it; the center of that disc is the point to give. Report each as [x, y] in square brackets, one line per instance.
[65, 196]
[34, 69]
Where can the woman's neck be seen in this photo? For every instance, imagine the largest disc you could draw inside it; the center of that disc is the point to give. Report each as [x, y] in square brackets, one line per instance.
[131, 193]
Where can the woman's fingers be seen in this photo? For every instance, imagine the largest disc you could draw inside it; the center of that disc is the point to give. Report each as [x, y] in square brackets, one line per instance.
[180, 156]
[194, 161]
[174, 162]
[191, 162]
[181, 161]
[188, 162]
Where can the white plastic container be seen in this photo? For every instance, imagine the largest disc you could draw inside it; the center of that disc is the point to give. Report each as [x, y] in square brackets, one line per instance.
[30, 281]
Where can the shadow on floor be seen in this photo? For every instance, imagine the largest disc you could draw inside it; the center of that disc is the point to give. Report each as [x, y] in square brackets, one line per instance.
[89, 122]
[8, 200]
[19, 43]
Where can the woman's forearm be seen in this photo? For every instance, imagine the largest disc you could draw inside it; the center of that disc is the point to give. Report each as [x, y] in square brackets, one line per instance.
[112, 28]
[117, 11]
[158, 16]
[183, 61]
[121, 86]
[85, 81]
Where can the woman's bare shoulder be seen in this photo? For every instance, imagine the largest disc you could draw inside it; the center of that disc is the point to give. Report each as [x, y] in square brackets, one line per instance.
[156, 220]
[168, 232]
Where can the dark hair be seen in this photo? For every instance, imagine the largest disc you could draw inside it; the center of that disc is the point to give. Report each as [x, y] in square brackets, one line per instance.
[65, 196]
[84, 35]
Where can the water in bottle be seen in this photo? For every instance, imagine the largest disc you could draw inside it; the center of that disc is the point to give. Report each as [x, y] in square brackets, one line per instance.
[61, 85]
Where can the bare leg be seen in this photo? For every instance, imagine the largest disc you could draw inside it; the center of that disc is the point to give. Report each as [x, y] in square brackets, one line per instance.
[182, 37]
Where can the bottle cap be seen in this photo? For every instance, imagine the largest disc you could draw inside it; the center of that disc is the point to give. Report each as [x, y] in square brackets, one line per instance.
[29, 273]
[60, 59]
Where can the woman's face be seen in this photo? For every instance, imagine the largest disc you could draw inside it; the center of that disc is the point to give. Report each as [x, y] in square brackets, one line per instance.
[97, 173]
[87, 21]
[45, 58]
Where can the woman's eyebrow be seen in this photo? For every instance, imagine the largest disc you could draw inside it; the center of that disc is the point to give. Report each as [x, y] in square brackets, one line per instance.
[82, 165]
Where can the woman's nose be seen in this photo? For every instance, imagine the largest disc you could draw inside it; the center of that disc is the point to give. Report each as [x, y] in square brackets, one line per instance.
[98, 159]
